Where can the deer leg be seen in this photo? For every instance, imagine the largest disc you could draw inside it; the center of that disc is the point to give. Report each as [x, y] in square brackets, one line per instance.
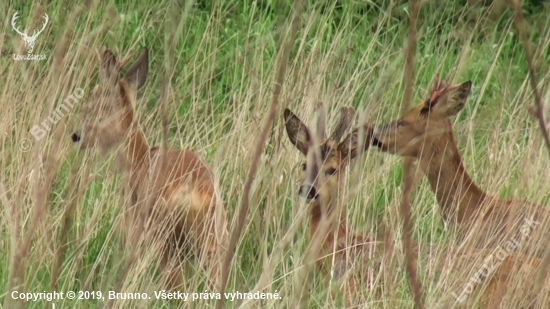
[349, 293]
[349, 288]
[170, 266]
[210, 257]
[211, 245]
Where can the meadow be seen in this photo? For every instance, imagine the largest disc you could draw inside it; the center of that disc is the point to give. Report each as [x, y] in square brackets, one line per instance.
[213, 72]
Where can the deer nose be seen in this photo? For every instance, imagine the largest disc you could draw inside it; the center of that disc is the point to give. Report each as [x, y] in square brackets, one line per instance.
[307, 192]
[75, 137]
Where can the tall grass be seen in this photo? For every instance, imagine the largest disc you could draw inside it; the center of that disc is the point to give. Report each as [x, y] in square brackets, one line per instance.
[214, 67]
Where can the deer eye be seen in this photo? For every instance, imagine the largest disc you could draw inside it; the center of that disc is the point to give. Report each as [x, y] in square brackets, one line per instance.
[401, 123]
[304, 167]
[330, 171]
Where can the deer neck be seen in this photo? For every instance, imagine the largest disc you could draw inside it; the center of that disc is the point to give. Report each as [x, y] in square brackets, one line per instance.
[133, 162]
[337, 226]
[456, 193]
[135, 152]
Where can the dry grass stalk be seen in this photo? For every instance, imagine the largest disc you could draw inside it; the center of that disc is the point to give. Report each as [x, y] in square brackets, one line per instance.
[283, 54]
[408, 79]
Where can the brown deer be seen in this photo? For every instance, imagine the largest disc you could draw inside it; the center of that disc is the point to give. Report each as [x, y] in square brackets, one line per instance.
[323, 168]
[355, 258]
[172, 192]
[425, 132]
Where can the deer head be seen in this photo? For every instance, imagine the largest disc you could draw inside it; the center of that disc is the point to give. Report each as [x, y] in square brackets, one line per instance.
[109, 116]
[325, 160]
[424, 125]
[29, 40]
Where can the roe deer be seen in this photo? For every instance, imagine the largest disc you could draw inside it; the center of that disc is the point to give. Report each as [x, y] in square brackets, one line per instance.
[425, 132]
[356, 258]
[322, 170]
[185, 215]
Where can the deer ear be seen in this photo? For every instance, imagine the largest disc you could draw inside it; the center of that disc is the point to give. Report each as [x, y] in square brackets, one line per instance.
[297, 131]
[137, 74]
[451, 101]
[109, 71]
[359, 137]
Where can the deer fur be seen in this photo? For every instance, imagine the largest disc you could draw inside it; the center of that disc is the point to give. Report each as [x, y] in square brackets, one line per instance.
[425, 132]
[173, 196]
[355, 259]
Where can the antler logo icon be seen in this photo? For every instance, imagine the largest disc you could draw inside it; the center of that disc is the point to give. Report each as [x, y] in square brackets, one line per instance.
[29, 40]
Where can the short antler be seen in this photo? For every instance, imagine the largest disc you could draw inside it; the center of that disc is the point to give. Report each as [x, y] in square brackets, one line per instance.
[320, 121]
[347, 113]
[122, 63]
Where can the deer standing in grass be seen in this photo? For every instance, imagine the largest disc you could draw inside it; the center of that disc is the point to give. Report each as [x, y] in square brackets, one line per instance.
[425, 132]
[355, 258]
[173, 197]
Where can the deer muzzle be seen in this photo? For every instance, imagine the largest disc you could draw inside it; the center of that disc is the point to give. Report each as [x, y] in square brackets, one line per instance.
[75, 137]
[308, 192]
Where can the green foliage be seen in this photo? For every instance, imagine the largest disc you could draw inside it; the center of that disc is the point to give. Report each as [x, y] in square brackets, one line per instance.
[217, 60]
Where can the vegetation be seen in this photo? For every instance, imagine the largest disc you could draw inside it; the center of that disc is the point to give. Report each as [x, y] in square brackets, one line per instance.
[213, 66]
